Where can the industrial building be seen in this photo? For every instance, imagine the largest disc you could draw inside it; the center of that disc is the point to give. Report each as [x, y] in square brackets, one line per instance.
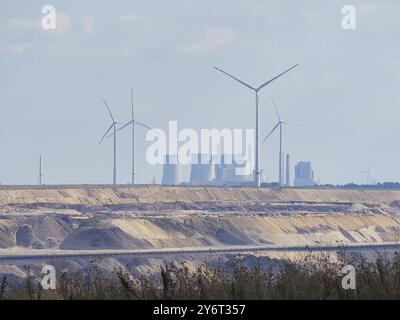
[231, 172]
[209, 170]
[202, 170]
[304, 175]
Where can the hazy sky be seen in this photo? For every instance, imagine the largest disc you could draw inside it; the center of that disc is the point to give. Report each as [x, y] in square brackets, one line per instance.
[345, 91]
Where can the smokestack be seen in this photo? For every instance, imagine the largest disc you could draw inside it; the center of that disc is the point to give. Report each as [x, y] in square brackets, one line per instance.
[287, 169]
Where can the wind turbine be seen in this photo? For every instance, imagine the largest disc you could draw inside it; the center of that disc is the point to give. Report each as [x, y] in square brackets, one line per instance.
[257, 179]
[280, 125]
[367, 173]
[113, 127]
[133, 123]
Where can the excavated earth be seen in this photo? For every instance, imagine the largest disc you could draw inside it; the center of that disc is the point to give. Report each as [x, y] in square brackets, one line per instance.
[140, 217]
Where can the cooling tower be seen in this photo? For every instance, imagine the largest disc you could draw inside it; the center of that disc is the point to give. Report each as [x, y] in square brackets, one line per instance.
[202, 170]
[171, 171]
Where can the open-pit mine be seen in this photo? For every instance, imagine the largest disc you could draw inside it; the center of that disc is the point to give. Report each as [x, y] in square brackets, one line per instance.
[144, 226]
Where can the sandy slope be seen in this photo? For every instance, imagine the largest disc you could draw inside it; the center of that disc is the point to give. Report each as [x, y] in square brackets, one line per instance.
[162, 194]
[104, 217]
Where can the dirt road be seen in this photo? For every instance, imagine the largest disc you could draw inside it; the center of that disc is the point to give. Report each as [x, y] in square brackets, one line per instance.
[8, 256]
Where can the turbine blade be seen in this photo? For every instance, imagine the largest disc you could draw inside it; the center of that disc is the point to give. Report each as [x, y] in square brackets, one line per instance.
[271, 132]
[108, 130]
[240, 81]
[276, 109]
[143, 125]
[109, 111]
[274, 78]
[292, 124]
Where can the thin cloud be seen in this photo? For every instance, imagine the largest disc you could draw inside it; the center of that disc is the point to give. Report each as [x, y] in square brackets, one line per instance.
[63, 24]
[396, 68]
[214, 39]
[315, 17]
[88, 25]
[369, 10]
[17, 49]
[260, 7]
[116, 51]
[133, 19]
[24, 24]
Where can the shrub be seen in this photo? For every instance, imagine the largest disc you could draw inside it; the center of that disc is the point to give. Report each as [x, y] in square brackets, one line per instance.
[24, 236]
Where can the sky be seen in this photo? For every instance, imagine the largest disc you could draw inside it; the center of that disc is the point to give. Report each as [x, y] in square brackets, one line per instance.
[344, 93]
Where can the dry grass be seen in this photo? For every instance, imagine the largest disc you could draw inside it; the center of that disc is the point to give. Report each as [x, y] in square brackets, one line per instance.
[315, 277]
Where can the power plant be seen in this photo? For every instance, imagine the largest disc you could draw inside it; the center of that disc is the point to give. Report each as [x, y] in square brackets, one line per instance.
[225, 173]
[304, 174]
[222, 170]
[202, 170]
[232, 171]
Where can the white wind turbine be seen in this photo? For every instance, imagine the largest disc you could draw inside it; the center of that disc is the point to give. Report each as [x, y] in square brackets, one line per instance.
[367, 174]
[113, 127]
[133, 122]
[280, 125]
[257, 179]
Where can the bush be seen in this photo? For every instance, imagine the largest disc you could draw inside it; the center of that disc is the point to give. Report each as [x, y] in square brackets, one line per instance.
[37, 244]
[24, 236]
[316, 277]
[51, 243]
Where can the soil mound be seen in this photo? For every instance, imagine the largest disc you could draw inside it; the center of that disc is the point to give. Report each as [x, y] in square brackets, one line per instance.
[101, 236]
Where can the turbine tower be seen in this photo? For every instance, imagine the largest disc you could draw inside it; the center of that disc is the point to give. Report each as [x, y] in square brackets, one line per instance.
[287, 170]
[113, 127]
[133, 141]
[40, 171]
[257, 180]
[280, 125]
[133, 123]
